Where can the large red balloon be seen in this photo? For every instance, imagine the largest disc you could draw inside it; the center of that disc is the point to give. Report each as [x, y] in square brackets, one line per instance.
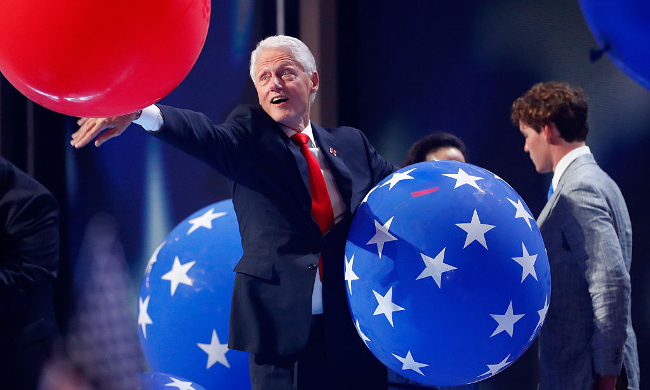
[98, 58]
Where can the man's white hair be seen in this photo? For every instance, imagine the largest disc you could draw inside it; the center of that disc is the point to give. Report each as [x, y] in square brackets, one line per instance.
[298, 50]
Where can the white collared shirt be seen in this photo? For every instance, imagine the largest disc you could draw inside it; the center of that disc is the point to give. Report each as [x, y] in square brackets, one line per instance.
[565, 161]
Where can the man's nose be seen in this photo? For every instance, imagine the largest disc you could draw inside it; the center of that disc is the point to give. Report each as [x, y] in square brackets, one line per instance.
[275, 84]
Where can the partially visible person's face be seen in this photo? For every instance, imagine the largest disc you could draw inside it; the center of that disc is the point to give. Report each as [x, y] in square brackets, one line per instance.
[537, 148]
[446, 153]
[284, 89]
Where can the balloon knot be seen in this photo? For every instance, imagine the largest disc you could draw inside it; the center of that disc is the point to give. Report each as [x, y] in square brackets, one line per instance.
[595, 54]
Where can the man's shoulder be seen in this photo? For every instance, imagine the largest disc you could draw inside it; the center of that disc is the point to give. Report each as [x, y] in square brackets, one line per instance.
[342, 138]
[11, 177]
[251, 116]
[585, 173]
[251, 109]
[340, 132]
[588, 184]
[245, 111]
[19, 191]
[341, 128]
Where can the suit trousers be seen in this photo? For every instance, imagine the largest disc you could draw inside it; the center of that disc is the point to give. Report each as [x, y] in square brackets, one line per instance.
[310, 369]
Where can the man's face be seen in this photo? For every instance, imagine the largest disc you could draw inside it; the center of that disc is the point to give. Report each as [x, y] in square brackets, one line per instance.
[537, 147]
[284, 89]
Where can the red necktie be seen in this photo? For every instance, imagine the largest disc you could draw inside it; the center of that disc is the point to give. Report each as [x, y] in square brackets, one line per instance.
[321, 205]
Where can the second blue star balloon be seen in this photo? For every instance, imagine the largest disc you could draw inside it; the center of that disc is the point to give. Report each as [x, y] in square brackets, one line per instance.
[184, 302]
[622, 29]
[447, 275]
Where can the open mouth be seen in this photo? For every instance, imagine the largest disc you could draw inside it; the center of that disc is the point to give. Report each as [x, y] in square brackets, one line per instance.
[279, 99]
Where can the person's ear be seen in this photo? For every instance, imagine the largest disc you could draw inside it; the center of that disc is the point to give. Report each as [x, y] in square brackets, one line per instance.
[551, 134]
[545, 132]
[314, 82]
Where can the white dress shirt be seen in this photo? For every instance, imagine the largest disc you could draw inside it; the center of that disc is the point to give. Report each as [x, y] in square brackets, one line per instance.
[565, 161]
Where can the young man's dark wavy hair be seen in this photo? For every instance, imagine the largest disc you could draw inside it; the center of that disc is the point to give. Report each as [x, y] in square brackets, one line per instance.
[556, 102]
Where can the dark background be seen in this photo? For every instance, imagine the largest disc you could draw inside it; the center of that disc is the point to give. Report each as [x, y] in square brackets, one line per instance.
[403, 70]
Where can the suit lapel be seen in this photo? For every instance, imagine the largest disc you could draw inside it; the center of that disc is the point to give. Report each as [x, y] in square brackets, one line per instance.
[547, 208]
[341, 173]
[285, 159]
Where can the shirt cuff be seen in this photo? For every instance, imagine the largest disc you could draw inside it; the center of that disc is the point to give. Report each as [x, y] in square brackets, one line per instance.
[151, 118]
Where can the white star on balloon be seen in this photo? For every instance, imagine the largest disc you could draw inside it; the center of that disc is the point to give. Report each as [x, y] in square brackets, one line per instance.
[180, 384]
[143, 316]
[349, 273]
[463, 178]
[204, 221]
[409, 364]
[365, 198]
[527, 263]
[542, 312]
[495, 368]
[363, 336]
[506, 321]
[154, 258]
[215, 350]
[178, 274]
[435, 267]
[397, 177]
[382, 235]
[386, 306]
[521, 212]
[475, 230]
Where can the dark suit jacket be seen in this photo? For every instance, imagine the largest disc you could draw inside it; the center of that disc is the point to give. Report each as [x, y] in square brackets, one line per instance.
[271, 303]
[29, 256]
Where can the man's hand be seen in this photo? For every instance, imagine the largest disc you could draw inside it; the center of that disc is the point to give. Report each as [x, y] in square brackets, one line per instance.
[101, 129]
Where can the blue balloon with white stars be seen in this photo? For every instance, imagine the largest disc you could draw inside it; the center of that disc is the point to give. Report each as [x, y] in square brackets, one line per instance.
[160, 381]
[446, 272]
[184, 303]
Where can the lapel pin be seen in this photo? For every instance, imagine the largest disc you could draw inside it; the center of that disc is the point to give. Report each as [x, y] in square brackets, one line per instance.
[333, 152]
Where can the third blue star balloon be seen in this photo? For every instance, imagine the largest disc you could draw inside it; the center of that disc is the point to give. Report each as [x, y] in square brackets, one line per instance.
[447, 275]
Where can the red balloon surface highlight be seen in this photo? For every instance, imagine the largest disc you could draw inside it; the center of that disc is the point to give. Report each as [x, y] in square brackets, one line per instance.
[100, 58]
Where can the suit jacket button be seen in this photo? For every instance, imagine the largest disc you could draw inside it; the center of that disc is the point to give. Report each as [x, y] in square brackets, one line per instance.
[312, 266]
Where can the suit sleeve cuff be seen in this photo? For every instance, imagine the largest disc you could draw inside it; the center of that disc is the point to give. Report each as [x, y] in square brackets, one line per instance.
[151, 118]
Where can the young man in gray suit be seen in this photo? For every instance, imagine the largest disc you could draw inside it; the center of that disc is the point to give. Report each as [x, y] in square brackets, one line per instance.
[587, 341]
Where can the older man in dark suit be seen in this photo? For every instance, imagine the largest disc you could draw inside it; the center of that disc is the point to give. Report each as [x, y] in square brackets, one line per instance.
[295, 187]
[29, 260]
[587, 341]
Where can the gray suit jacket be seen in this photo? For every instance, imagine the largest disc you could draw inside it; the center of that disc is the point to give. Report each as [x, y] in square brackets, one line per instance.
[588, 236]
